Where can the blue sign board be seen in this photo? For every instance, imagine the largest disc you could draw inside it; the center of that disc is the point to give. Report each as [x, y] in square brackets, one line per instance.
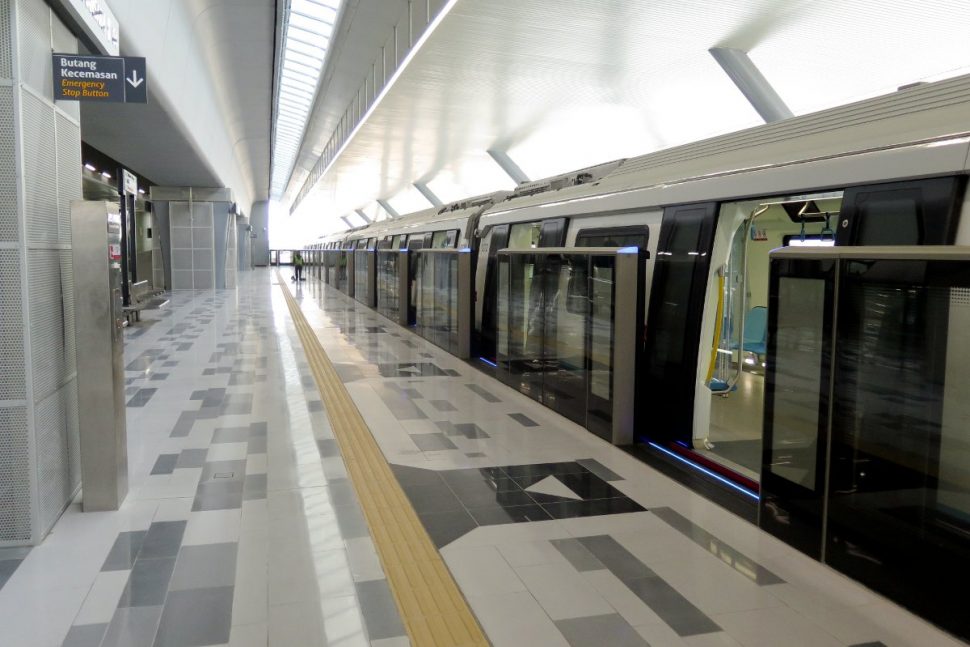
[113, 79]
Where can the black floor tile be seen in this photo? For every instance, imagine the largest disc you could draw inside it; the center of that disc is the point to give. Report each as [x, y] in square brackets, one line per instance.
[165, 464]
[527, 475]
[445, 527]
[570, 509]
[431, 499]
[523, 420]
[494, 515]
[416, 476]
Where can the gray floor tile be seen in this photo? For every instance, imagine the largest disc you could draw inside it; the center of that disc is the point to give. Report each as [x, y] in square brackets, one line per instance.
[445, 527]
[523, 420]
[615, 557]
[610, 630]
[230, 435]
[258, 430]
[432, 442]
[85, 636]
[342, 492]
[328, 447]
[7, 568]
[254, 487]
[350, 521]
[256, 446]
[483, 393]
[219, 495]
[191, 458]
[599, 469]
[205, 567]
[577, 554]
[148, 583]
[196, 618]
[443, 405]
[133, 627]
[165, 463]
[673, 608]
[740, 562]
[163, 539]
[381, 615]
[124, 551]
[218, 471]
[184, 424]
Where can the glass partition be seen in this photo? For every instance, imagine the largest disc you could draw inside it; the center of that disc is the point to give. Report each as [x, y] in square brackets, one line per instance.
[555, 331]
[436, 298]
[362, 278]
[867, 457]
[388, 283]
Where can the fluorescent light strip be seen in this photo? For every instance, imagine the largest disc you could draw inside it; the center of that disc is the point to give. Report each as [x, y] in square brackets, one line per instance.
[309, 25]
[432, 26]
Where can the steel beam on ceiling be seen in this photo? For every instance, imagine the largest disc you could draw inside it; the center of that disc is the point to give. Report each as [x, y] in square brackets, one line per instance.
[347, 221]
[389, 209]
[752, 83]
[428, 194]
[506, 164]
[363, 216]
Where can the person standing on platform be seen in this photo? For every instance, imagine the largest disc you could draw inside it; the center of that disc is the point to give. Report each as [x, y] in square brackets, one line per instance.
[298, 266]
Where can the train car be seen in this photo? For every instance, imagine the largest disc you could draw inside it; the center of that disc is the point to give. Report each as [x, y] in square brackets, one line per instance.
[886, 171]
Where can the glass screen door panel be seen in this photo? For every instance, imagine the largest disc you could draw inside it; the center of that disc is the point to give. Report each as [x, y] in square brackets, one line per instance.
[796, 403]
[899, 483]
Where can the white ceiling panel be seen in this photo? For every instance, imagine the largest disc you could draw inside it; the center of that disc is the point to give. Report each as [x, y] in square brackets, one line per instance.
[562, 84]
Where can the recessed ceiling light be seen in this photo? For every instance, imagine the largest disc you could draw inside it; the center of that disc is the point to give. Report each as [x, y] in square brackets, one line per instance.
[90, 167]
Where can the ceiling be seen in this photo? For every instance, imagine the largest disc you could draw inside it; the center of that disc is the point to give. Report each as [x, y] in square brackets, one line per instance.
[210, 73]
[562, 84]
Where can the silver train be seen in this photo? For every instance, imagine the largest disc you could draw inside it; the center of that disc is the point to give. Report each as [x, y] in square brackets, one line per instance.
[702, 218]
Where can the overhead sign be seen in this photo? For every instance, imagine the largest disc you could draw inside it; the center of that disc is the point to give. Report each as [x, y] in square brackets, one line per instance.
[95, 20]
[129, 182]
[113, 79]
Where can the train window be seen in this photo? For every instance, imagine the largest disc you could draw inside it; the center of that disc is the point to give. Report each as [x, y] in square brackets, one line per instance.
[445, 239]
[524, 235]
[415, 242]
[396, 242]
[635, 236]
[922, 212]
[552, 233]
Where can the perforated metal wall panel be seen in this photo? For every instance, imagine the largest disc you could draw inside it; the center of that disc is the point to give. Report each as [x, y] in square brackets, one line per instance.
[231, 258]
[40, 169]
[47, 342]
[53, 460]
[65, 42]
[12, 377]
[35, 45]
[6, 48]
[9, 217]
[68, 174]
[15, 476]
[193, 250]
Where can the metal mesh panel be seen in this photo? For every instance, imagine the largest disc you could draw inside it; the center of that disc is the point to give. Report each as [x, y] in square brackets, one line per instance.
[34, 28]
[64, 42]
[67, 303]
[47, 339]
[15, 477]
[9, 215]
[6, 58]
[12, 380]
[73, 434]
[53, 459]
[40, 176]
[68, 174]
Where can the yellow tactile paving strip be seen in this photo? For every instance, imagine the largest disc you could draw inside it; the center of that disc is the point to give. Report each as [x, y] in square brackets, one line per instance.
[434, 611]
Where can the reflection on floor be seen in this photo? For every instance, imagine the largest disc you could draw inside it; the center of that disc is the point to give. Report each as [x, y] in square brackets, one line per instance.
[241, 528]
[736, 426]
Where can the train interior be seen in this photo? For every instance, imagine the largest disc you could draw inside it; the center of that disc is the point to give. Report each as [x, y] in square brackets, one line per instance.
[729, 408]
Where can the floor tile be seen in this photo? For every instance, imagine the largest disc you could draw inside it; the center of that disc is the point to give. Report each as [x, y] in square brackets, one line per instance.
[432, 442]
[196, 618]
[102, 600]
[516, 620]
[609, 629]
[148, 582]
[133, 627]
[162, 540]
[124, 551]
[205, 566]
[563, 592]
[85, 635]
[379, 609]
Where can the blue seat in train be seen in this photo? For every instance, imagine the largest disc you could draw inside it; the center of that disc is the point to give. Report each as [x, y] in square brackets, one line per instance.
[755, 331]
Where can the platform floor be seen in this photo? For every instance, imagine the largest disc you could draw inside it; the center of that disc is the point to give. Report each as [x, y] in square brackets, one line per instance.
[242, 527]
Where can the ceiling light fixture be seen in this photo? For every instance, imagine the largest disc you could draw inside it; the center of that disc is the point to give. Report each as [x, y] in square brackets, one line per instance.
[306, 37]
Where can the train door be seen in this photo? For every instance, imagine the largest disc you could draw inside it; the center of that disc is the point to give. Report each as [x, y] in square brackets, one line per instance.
[729, 384]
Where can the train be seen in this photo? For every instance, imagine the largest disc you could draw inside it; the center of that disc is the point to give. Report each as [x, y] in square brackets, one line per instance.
[703, 218]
